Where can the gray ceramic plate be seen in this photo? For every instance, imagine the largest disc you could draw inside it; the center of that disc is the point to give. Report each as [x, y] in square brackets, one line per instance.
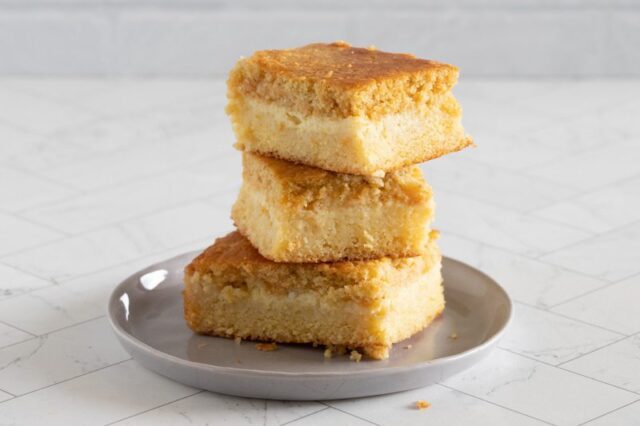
[146, 313]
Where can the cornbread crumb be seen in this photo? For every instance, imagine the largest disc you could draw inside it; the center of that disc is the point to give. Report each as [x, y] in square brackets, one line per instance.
[421, 404]
[266, 347]
[408, 346]
[355, 356]
[328, 353]
[237, 340]
[453, 336]
[337, 349]
[340, 43]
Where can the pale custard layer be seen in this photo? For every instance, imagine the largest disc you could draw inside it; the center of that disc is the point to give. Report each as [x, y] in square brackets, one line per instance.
[230, 290]
[295, 213]
[355, 144]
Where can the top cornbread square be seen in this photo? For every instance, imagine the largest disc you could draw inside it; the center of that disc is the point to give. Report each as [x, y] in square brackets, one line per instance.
[377, 111]
[345, 81]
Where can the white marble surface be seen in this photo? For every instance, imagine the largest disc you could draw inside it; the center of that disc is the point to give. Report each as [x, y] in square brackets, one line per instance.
[100, 178]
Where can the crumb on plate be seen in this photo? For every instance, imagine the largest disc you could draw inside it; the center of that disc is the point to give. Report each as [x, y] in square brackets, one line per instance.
[355, 356]
[237, 340]
[266, 347]
[337, 349]
[453, 335]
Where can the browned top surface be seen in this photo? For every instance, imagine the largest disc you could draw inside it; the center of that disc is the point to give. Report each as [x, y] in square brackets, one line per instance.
[235, 251]
[341, 64]
[406, 185]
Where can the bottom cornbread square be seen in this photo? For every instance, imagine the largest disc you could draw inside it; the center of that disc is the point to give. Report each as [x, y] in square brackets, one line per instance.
[232, 291]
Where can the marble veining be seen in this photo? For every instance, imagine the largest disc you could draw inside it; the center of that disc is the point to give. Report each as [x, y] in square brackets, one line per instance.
[100, 178]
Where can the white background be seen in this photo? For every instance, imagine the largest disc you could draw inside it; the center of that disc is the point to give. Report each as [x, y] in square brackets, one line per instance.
[563, 38]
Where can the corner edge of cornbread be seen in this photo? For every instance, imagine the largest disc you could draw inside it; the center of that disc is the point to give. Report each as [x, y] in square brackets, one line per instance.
[345, 109]
[297, 213]
[232, 291]
[339, 80]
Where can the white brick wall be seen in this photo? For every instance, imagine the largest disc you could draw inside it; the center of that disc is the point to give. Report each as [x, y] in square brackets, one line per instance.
[542, 38]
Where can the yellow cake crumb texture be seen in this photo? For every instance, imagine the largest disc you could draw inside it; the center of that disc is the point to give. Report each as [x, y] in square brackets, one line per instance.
[295, 213]
[303, 185]
[233, 258]
[339, 80]
[355, 356]
[365, 306]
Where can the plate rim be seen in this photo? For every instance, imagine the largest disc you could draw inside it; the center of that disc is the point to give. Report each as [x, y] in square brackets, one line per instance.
[123, 335]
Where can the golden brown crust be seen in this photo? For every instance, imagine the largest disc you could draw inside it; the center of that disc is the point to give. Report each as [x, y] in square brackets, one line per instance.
[232, 257]
[194, 315]
[231, 291]
[338, 80]
[232, 249]
[302, 186]
[340, 64]
[361, 255]
[235, 250]
[434, 153]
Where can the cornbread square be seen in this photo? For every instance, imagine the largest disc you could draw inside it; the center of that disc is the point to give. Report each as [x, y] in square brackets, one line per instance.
[296, 213]
[232, 291]
[345, 109]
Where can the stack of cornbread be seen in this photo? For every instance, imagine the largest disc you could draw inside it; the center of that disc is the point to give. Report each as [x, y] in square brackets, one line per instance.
[334, 243]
